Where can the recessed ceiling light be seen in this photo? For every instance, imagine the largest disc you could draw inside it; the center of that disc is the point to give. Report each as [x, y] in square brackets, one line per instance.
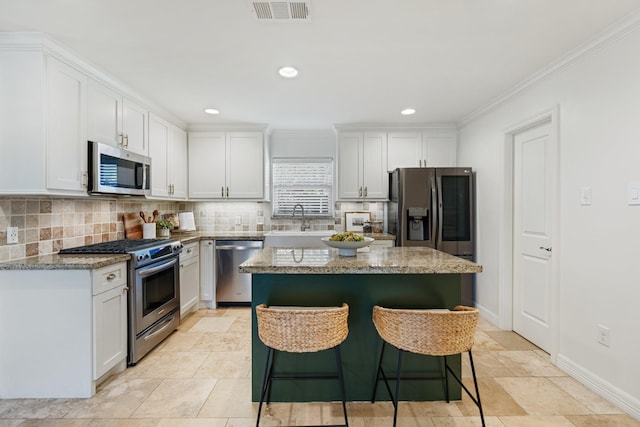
[288, 72]
[407, 111]
[211, 111]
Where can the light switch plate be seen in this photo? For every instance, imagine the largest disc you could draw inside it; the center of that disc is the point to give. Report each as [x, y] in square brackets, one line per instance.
[585, 196]
[633, 193]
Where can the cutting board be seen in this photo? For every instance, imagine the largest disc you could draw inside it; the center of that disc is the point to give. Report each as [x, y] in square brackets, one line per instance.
[132, 225]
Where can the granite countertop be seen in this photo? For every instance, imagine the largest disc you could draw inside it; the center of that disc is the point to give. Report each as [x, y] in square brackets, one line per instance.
[378, 260]
[64, 262]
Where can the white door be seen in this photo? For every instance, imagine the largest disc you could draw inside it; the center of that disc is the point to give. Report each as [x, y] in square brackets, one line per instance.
[534, 162]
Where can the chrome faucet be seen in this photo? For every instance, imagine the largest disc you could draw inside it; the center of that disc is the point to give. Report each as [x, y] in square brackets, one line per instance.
[303, 226]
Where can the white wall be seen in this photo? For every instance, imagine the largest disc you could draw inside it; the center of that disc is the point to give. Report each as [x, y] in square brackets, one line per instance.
[599, 252]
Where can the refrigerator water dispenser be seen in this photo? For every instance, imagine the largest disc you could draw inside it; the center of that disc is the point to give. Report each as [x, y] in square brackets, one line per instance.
[417, 220]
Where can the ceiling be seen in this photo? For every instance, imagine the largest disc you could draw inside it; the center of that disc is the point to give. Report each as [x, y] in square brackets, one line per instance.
[360, 61]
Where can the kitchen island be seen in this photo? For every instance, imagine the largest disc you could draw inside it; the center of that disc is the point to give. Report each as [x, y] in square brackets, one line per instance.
[404, 277]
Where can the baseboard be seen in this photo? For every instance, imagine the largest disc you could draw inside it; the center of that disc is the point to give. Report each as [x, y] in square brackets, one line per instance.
[487, 315]
[618, 397]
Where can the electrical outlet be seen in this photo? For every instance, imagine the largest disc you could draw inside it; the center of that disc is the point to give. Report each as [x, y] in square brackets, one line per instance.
[238, 220]
[12, 235]
[604, 335]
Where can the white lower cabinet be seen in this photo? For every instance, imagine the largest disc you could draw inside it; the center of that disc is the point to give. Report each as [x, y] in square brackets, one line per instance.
[76, 340]
[189, 278]
[207, 277]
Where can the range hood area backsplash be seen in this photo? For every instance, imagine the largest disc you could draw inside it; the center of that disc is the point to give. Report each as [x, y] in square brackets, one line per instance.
[48, 224]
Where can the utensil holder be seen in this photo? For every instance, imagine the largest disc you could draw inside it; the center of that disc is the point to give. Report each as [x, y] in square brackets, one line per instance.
[149, 230]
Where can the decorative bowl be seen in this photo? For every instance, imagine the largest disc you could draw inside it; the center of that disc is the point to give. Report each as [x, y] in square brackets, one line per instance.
[347, 248]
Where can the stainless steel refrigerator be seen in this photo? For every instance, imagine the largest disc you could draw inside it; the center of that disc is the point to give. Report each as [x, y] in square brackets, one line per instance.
[434, 207]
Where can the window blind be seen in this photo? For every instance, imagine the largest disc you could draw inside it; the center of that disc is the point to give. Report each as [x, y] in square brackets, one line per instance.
[307, 181]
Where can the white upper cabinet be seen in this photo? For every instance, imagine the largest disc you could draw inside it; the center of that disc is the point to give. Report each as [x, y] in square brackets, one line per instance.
[362, 162]
[66, 127]
[168, 152]
[428, 148]
[116, 120]
[226, 165]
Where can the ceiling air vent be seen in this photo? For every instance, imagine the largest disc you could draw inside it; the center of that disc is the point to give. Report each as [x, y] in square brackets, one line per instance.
[280, 11]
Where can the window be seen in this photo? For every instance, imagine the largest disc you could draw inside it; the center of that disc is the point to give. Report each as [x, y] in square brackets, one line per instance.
[308, 181]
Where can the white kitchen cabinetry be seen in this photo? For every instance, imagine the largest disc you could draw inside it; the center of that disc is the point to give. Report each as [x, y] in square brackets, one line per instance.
[109, 317]
[226, 165]
[76, 340]
[207, 274]
[66, 127]
[189, 278]
[168, 152]
[116, 120]
[362, 166]
[428, 148]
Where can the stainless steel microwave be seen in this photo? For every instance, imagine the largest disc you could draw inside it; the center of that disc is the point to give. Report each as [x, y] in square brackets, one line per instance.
[113, 170]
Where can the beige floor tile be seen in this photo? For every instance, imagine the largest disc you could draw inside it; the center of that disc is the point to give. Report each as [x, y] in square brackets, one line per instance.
[402, 422]
[118, 400]
[187, 323]
[142, 365]
[588, 398]
[234, 364]
[212, 324]
[603, 421]
[495, 400]
[230, 398]
[178, 364]
[176, 398]
[35, 408]
[123, 422]
[511, 340]
[466, 422]
[539, 396]
[527, 364]
[193, 422]
[181, 341]
[10, 422]
[487, 366]
[369, 410]
[484, 342]
[243, 422]
[237, 312]
[223, 341]
[436, 409]
[485, 325]
[537, 421]
[241, 325]
[48, 422]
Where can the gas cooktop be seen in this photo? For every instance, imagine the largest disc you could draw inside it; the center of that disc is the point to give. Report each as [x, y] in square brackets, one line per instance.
[123, 246]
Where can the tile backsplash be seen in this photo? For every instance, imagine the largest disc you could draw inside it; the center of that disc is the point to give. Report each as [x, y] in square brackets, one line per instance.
[48, 224]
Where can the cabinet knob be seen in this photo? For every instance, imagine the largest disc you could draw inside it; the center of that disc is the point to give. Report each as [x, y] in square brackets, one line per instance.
[365, 191]
[125, 289]
[111, 276]
[222, 191]
[227, 191]
[360, 192]
[126, 138]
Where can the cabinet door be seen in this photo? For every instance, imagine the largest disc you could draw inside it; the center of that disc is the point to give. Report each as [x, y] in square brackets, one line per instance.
[110, 329]
[375, 179]
[207, 165]
[189, 278]
[158, 151]
[207, 276]
[440, 150]
[178, 163]
[134, 127]
[104, 114]
[404, 150]
[66, 127]
[350, 165]
[245, 165]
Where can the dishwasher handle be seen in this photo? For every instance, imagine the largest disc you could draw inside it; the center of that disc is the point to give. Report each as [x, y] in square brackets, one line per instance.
[236, 248]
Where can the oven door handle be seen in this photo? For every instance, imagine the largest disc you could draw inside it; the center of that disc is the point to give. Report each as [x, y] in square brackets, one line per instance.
[159, 331]
[153, 270]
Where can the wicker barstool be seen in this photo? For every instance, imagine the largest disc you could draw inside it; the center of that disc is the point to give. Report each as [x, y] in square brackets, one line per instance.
[301, 330]
[427, 332]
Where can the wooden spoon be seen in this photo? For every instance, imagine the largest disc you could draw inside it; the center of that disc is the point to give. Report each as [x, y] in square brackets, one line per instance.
[142, 215]
[155, 215]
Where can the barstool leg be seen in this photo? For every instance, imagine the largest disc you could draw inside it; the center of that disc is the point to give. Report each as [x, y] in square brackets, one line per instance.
[446, 379]
[397, 396]
[341, 381]
[475, 383]
[378, 372]
[266, 382]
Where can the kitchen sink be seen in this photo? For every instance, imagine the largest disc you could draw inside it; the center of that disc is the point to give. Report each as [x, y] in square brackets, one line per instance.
[296, 239]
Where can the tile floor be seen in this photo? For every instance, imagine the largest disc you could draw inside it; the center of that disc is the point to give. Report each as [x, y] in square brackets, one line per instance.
[200, 376]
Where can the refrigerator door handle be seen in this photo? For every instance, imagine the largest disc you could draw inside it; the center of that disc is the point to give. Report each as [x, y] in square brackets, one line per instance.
[438, 208]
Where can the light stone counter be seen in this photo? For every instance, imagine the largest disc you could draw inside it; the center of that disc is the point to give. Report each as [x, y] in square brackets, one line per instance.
[378, 260]
[64, 262]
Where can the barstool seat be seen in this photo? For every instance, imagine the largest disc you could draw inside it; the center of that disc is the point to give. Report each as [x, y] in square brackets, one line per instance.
[434, 332]
[301, 330]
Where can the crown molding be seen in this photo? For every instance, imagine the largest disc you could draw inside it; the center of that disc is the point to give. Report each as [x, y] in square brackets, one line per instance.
[614, 32]
[391, 126]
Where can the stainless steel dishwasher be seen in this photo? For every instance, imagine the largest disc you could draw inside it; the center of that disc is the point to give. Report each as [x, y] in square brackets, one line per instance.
[233, 287]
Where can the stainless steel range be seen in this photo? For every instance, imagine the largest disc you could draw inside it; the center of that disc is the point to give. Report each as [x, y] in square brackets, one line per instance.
[154, 289]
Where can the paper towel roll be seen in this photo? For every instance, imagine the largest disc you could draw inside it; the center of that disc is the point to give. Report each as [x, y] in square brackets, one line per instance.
[187, 223]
